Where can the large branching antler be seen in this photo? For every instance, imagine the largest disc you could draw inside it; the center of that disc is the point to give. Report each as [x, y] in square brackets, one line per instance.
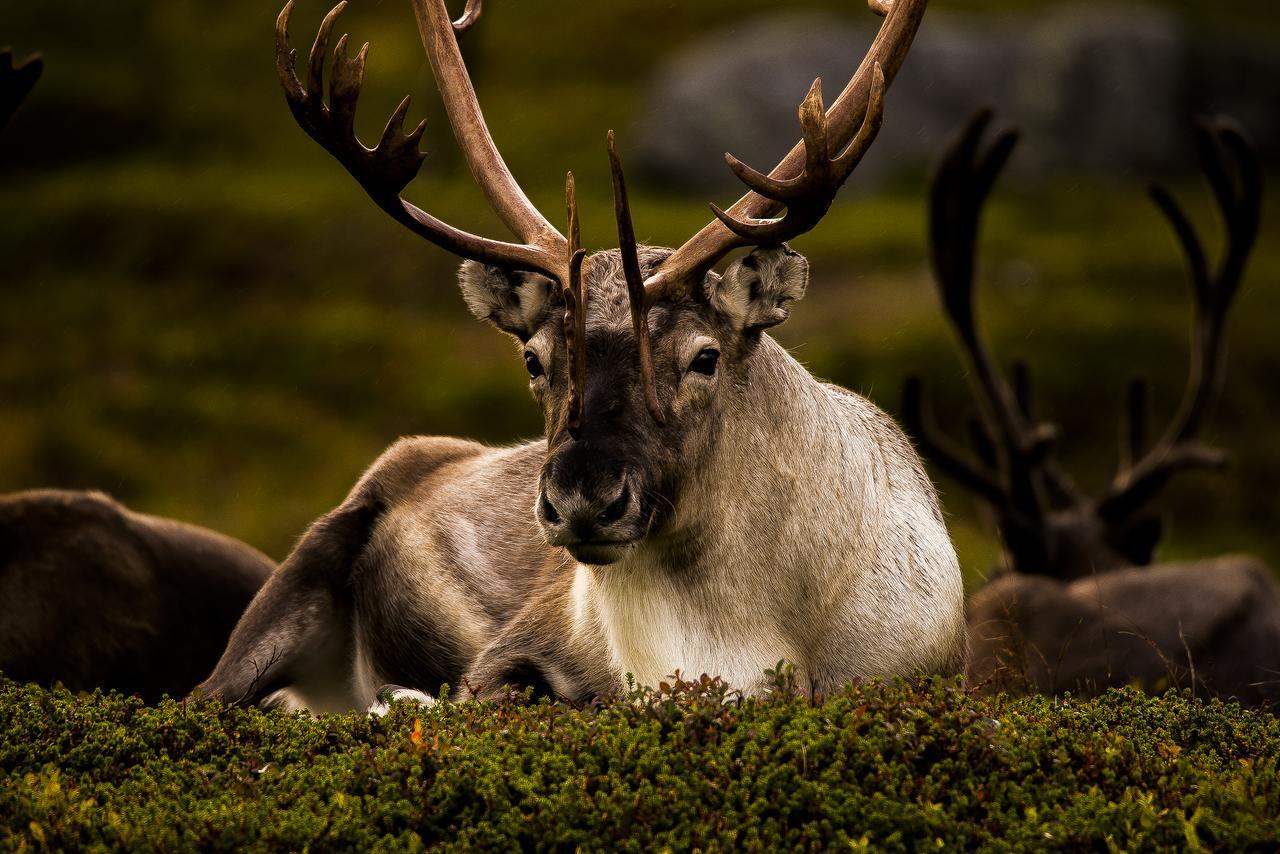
[1234, 174]
[1011, 466]
[803, 184]
[386, 169]
[16, 82]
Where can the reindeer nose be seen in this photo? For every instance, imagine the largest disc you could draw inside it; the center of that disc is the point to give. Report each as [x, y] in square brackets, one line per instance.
[585, 517]
[616, 509]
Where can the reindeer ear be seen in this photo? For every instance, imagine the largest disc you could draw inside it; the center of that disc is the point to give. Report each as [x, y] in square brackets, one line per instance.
[516, 303]
[756, 290]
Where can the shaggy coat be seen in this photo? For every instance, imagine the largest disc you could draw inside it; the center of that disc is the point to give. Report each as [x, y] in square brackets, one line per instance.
[772, 517]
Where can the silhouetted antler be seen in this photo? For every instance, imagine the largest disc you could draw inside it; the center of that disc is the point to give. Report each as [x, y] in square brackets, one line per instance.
[1234, 174]
[1011, 469]
[16, 82]
[1046, 525]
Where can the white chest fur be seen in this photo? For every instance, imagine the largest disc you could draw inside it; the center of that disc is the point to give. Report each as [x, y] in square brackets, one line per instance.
[655, 628]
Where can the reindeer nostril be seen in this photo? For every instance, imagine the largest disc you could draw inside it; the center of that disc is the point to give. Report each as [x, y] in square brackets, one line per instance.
[614, 511]
[549, 511]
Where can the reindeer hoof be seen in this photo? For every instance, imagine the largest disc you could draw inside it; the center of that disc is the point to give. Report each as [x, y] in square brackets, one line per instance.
[389, 694]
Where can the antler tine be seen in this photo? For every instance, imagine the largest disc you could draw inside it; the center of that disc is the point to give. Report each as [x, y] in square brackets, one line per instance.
[16, 82]
[918, 418]
[487, 166]
[636, 293]
[575, 312]
[750, 220]
[385, 170]
[808, 196]
[957, 196]
[1133, 430]
[956, 199]
[470, 15]
[1234, 174]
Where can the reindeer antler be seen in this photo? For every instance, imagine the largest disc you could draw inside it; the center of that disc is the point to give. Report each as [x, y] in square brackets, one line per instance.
[1234, 173]
[804, 183]
[1012, 467]
[809, 195]
[16, 82]
[387, 168]
[1013, 470]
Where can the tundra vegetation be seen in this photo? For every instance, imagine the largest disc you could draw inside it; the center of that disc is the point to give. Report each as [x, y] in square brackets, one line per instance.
[880, 767]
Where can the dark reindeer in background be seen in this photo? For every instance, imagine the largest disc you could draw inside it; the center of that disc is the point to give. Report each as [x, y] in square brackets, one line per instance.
[699, 503]
[93, 595]
[1079, 612]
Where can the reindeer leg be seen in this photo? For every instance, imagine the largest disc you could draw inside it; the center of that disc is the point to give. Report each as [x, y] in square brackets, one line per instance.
[297, 633]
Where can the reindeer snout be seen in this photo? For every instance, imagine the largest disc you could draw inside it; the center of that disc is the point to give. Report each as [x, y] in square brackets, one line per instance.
[596, 522]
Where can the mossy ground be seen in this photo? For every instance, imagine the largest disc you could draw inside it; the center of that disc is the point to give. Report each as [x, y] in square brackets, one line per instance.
[895, 767]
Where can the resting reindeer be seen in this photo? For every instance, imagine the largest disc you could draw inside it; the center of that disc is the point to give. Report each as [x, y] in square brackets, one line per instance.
[1083, 612]
[93, 595]
[700, 502]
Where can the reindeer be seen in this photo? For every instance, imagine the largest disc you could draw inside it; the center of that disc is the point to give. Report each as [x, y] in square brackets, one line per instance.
[699, 503]
[93, 595]
[1081, 612]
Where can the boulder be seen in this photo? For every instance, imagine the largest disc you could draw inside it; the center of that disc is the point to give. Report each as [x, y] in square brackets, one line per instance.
[1108, 91]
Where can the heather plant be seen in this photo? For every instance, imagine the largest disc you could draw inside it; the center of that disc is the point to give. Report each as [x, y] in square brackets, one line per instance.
[689, 765]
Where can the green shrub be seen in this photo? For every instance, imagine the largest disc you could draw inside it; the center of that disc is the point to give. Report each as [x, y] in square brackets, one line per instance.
[905, 766]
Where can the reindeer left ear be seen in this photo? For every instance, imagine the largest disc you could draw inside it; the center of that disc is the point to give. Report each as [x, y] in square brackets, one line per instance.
[755, 291]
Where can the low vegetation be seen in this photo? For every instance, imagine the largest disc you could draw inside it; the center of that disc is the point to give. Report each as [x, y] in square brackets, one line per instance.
[893, 767]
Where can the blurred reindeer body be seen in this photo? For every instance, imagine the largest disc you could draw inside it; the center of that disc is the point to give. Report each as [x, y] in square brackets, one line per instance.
[1211, 625]
[93, 595]
[700, 502]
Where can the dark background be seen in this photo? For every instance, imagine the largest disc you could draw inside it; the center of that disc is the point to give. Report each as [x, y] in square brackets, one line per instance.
[203, 315]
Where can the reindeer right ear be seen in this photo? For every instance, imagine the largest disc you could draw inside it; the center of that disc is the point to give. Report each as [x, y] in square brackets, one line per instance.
[516, 303]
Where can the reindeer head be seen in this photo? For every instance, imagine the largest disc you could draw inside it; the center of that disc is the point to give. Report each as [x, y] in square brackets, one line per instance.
[613, 476]
[634, 354]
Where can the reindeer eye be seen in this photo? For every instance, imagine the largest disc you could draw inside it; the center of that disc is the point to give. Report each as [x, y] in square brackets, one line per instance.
[705, 362]
[535, 367]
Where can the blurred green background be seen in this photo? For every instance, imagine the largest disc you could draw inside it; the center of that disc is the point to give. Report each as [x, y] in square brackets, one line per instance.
[203, 315]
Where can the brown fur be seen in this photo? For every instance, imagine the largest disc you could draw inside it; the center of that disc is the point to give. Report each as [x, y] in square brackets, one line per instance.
[1212, 625]
[97, 596]
[769, 517]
